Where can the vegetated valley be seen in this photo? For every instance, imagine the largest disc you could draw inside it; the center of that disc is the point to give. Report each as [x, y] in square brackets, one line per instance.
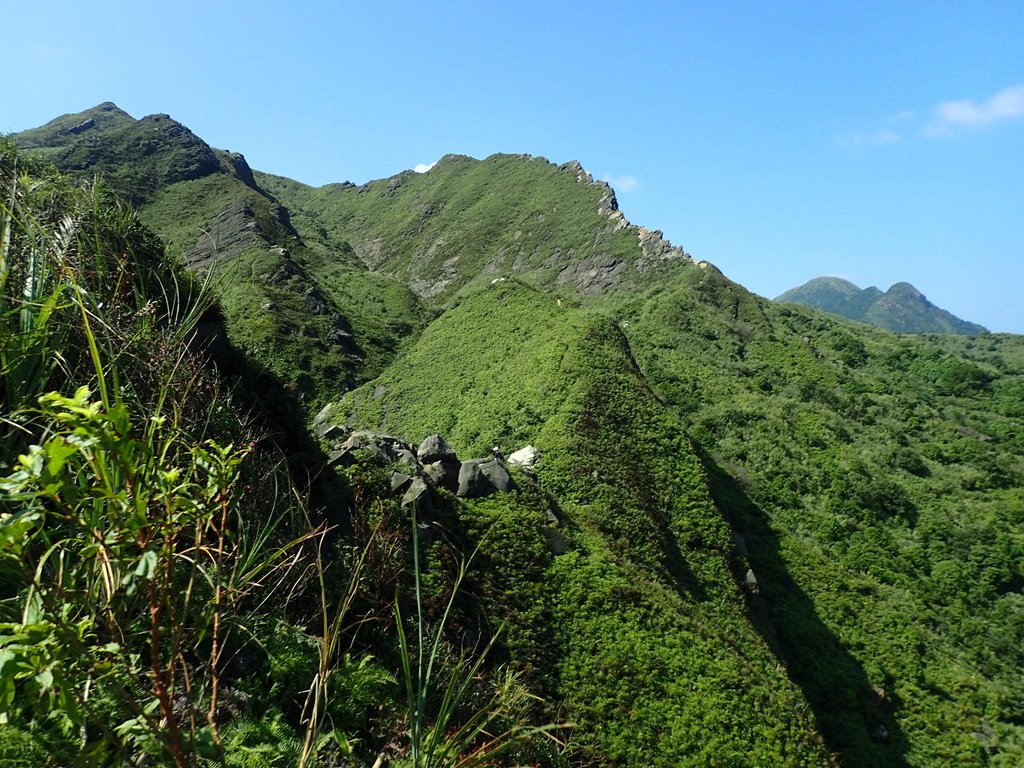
[265, 499]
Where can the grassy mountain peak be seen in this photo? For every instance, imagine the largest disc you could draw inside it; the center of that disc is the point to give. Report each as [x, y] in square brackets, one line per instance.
[902, 308]
[467, 221]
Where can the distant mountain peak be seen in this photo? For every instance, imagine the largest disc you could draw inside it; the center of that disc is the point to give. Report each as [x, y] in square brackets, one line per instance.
[902, 308]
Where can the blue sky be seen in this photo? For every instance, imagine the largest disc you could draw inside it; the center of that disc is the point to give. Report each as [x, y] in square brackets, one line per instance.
[877, 141]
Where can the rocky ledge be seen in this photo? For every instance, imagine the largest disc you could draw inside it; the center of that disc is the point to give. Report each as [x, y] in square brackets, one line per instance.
[432, 464]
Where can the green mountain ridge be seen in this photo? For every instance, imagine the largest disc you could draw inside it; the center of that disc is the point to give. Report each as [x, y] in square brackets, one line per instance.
[791, 539]
[647, 581]
[902, 308]
[549, 224]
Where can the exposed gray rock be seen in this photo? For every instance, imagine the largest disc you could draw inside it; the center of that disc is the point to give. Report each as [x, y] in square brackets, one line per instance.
[233, 231]
[334, 432]
[434, 448]
[385, 449]
[556, 542]
[656, 249]
[82, 126]
[341, 458]
[482, 477]
[418, 494]
[399, 480]
[403, 456]
[435, 472]
[594, 275]
[472, 482]
[750, 581]
[497, 475]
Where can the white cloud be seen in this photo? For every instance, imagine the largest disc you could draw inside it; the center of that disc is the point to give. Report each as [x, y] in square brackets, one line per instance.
[423, 167]
[900, 117]
[871, 138]
[949, 116]
[625, 183]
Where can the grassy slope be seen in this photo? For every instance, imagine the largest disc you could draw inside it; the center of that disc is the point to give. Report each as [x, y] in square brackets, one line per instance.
[857, 464]
[877, 479]
[640, 628]
[468, 220]
[313, 317]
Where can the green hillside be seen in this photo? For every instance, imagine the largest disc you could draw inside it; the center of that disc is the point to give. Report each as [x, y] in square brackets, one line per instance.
[863, 470]
[902, 308]
[758, 534]
[468, 220]
[647, 643]
[312, 316]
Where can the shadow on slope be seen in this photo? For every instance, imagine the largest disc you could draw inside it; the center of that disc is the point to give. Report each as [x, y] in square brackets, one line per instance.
[856, 721]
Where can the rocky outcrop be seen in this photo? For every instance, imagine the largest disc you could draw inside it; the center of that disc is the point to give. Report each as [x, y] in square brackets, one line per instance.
[417, 473]
[432, 464]
[231, 233]
[593, 276]
[656, 249]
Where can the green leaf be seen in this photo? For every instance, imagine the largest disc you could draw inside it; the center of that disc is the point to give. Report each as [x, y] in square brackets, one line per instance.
[44, 679]
[7, 663]
[147, 565]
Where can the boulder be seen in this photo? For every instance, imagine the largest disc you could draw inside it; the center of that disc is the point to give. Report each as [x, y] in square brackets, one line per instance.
[444, 474]
[482, 477]
[435, 472]
[497, 476]
[320, 420]
[526, 457]
[434, 448]
[750, 582]
[557, 543]
[334, 432]
[384, 449]
[407, 457]
[342, 457]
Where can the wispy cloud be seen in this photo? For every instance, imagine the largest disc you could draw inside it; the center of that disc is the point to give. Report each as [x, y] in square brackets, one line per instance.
[900, 117]
[625, 183]
[951, 116]
[870, 138]
[423, 167]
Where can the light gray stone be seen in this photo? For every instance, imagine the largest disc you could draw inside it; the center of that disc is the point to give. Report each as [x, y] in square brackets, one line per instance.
[526, 457]
[434, 448]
